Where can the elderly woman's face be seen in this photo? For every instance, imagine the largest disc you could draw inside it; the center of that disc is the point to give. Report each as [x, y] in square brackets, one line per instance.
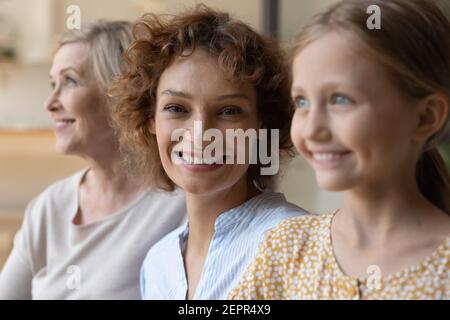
[76, 104]
[194, 92]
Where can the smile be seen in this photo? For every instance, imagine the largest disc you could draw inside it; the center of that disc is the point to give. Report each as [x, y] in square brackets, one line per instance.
[198, 164]
[61, 125]
[328, 159]
[327, 156]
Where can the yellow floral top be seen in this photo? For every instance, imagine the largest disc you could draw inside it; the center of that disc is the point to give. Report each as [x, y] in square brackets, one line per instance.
[297, 261]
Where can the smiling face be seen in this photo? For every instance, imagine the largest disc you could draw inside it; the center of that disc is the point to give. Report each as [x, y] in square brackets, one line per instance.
[194, 89]
[76, 103]
[351, 124]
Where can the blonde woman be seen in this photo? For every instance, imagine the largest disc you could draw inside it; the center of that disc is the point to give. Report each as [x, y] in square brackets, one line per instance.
[86, 236]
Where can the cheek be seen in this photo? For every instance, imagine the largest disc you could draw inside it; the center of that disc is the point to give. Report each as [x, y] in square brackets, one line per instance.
[86, 106]
[374, 136]
[72, 103]
[296, 132]
[163, 131]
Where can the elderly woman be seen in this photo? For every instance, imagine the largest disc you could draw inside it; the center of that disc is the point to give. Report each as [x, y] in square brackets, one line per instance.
[86, 236]
[192, 75]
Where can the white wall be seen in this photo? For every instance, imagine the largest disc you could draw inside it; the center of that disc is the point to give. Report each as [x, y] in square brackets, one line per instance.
[294, 13]
[22, 97]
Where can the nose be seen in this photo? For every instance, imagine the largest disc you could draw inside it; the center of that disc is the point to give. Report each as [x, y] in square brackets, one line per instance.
[197, 126]
[316, 126]
[53, 104]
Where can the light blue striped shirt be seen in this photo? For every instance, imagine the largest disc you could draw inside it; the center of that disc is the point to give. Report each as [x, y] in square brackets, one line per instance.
[238, 233]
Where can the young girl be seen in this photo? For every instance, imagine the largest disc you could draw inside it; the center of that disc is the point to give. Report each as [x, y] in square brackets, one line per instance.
[371, 105]
[202, 67]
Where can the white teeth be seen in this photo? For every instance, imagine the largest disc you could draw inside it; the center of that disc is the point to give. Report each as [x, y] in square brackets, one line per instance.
[63, 123]
[194, 160]
[326, 156]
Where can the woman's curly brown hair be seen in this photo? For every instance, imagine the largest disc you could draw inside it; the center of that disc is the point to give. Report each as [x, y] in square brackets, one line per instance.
[243, 55]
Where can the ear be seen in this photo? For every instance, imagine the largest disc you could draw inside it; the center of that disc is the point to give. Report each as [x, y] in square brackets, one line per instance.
[432, 115]
[151, 126]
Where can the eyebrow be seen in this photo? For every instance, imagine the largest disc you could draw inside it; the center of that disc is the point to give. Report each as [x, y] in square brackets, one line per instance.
[185, 95]
[67, 69]
[181, 94]
[296, 88]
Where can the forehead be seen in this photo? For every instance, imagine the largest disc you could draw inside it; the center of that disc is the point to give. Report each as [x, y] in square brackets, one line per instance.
[200, 73]
[72, 55]
[333, 57]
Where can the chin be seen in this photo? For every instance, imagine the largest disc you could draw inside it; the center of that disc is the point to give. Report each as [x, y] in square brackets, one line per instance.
[64, 148]
[204, 186]
[198, 188]
[333, 183]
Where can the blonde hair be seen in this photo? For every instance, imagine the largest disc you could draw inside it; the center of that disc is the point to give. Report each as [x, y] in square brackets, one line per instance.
[107, 41]
[413, 45]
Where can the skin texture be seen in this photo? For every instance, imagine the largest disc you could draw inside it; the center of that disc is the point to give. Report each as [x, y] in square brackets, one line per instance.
[77, 98]
[363, 138]
[194, 89]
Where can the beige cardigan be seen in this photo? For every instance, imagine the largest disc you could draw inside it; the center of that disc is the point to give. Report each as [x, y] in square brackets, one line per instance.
[54, 259]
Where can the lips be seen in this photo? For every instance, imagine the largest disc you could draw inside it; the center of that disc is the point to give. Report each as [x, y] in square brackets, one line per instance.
[61, 124]
[327, 158]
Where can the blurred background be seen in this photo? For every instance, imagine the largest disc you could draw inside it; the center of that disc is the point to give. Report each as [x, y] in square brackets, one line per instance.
[28, 31]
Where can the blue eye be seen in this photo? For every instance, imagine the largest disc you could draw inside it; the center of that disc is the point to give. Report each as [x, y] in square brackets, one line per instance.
[301, 102]
[70, 81]
[341, 99]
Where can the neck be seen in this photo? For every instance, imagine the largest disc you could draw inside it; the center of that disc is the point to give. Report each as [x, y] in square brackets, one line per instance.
[375, 215]
[107, 174]
[203, 210]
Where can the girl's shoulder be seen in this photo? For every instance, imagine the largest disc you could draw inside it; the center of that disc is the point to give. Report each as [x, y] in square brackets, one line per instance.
[310, 223]
[301, 230]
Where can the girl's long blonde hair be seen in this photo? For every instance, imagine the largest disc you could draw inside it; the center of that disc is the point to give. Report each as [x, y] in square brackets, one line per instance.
[413, 45]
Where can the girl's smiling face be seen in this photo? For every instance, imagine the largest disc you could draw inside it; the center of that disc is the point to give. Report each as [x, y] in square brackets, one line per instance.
[351, 123]
[194, 89]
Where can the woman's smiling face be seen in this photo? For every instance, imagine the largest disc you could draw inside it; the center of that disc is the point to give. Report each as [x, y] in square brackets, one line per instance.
[77, 104]
[194, 89]
[351, 124]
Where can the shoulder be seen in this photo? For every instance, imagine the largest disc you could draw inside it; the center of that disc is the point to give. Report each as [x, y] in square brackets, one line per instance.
[298, 233]
[163, 205]
[163, 251]
[60, 191]
[274, 203]
[57, 197]
[167, 197]
[273, 208]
